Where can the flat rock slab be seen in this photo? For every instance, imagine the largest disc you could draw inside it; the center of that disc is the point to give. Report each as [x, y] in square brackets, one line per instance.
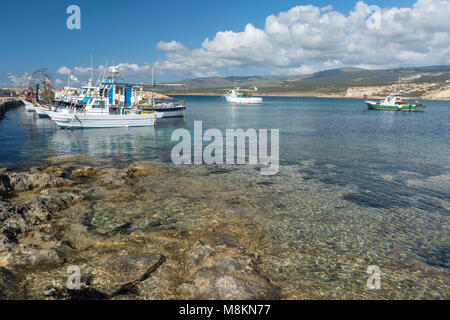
[120, 274]
[224, 273]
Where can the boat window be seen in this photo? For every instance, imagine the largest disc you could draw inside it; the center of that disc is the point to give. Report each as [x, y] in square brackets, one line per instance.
[99, 104]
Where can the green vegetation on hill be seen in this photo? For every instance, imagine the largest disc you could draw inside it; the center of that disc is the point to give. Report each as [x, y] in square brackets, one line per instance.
[329, 82]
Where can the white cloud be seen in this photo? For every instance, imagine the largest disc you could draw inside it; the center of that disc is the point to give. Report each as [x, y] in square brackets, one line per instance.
[170, 46]
[63, 70]
[308, 38]
[133, 68]
[81, 70]
[19, 81]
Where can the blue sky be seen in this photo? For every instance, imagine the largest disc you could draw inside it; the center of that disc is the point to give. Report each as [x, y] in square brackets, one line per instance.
[35, 34]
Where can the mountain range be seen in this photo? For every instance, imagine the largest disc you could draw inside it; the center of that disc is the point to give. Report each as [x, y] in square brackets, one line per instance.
[420, 82]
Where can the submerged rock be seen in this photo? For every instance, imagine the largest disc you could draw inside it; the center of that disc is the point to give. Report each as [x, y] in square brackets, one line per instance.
[58, 290]
[224, 273]
[86, 172]
[137, 170]
[126, 228]
[12, 223]
[22, 181]
[19, 219]
[120, 274]
[29, 255]
[57, 171]
[7, 284]
[5, 184]
[49, 202]
[112, 177]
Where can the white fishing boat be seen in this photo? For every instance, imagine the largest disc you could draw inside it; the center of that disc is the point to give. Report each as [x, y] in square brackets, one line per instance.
[112, 108]
[29, 106]
[79, 121]
[242, 96]
[41, 110]
[98, 114]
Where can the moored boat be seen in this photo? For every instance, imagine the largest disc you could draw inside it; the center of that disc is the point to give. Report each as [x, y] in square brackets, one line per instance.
[165, 109]
[28, 105]
[111, 107]
[241, 96]
[41, 110]
[394, 102]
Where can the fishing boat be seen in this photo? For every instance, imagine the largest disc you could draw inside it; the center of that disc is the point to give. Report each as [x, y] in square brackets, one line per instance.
[98, 113]
[394, 102]
[41, 110]
[28, 101]
[28, 105]
[242, 96]
[112, 108]
[164, 109]
[155, 101]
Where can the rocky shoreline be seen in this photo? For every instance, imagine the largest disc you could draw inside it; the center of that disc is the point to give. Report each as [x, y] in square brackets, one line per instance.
[47, 225]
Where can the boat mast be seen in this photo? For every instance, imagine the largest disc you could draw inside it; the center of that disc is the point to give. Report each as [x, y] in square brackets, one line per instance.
[153, 89]
[91, 70]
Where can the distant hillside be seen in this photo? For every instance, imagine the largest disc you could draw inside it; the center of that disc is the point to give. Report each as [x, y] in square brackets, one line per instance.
[423, 82]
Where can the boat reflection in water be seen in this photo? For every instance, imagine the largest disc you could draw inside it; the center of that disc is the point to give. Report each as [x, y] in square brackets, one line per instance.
[118, 144]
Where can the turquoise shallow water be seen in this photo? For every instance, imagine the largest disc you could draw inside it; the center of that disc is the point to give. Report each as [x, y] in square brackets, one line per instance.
[355, 187]
[339, 130]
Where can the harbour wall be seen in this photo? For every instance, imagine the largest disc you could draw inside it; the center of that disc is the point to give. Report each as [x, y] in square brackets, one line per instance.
[7, 103]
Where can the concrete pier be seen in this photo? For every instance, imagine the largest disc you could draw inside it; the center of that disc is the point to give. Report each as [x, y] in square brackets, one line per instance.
[8, 103]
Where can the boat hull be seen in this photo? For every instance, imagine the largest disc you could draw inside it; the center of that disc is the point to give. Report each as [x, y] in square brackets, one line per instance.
[41, 111]
[166, 112]
[101, 121]
[404, 108]
[28, 106]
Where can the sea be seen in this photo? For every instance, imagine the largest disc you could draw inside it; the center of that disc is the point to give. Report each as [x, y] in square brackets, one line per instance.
[356, 191]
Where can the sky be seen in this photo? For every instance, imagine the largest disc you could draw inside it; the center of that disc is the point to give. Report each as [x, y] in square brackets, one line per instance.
[202, 38]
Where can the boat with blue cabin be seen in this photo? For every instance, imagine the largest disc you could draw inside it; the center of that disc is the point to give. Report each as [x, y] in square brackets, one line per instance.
[112, 107]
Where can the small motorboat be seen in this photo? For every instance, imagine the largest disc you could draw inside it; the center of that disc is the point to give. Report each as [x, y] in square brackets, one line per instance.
[241, 96]
[394, 102]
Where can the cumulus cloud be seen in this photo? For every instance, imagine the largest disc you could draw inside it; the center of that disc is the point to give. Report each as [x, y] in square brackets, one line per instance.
[170, 46]
[19, 81]
[81, 70]
[308, 38]
[63, 70]
[134, 69]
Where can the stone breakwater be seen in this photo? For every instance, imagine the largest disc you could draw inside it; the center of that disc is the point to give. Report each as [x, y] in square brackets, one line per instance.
[8, 104]
[68, 214]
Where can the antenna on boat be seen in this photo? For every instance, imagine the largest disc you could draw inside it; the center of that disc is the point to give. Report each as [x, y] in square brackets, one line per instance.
[104, 70]
[153, 91]
[91, 70]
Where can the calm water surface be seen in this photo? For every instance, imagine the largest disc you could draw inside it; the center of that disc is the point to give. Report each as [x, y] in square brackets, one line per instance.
[355, 187]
